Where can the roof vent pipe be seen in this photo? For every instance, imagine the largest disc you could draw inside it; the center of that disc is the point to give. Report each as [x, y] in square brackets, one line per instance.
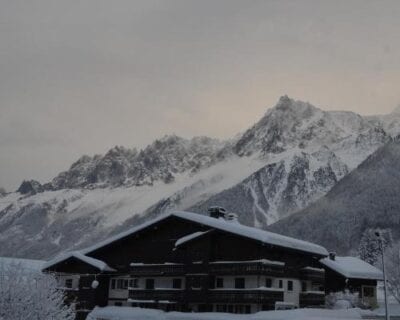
[233, 217]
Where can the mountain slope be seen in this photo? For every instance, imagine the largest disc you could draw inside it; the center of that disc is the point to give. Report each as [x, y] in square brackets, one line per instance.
[292, 156]
[388, 122]
[280, 188]
[367, 197]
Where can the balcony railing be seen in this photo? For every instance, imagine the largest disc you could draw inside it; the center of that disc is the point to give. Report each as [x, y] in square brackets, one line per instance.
[312, 299]
[262, 296]
[313, 274]
[245, 296]
[156, 269]
[250, 268]
[157, 294]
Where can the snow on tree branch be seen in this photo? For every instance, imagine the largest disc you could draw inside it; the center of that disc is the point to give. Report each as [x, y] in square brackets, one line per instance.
[27, 294]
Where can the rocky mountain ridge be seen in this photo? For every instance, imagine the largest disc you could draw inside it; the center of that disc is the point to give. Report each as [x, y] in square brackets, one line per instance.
[291, 157]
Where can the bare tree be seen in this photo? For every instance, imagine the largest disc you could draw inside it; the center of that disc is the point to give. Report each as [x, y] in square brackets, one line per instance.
[27, 294]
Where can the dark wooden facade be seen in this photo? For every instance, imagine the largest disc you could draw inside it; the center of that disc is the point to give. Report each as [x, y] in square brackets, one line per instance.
[83, 296]
[152, 253]
[335, 282]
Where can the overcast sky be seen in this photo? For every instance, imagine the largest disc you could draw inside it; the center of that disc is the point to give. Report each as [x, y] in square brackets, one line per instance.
[80, 76]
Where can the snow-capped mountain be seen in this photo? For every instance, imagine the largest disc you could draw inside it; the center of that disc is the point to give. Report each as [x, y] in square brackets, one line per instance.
[292, 156]
[368, 197]
[389, 122]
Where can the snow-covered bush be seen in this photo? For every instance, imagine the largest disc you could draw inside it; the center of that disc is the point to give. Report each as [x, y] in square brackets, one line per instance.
[342, 300]
[27, 294]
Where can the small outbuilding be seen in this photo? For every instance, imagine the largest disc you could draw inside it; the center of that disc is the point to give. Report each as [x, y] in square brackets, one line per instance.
[353, 274]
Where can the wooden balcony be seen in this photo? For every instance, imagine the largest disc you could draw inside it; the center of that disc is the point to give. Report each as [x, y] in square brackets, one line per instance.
[157, 269]
[248, 268]
[260, 267]
[313, 274]
[261, 296]
[245, 296]
[157, 294]
[312, 299]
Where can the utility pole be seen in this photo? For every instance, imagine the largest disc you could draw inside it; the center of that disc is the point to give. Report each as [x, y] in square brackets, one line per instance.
[380, 238]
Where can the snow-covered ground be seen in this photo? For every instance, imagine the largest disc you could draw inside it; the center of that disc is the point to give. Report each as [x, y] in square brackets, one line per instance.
[27, 264]
[128, 313]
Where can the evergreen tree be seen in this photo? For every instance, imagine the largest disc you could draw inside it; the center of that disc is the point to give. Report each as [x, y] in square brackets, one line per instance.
[369, 248]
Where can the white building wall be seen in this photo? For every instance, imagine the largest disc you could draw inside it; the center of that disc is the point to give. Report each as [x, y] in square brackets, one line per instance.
[62, 278]
[294, 295]
[160, 283]
[117, 293]
[166, 282]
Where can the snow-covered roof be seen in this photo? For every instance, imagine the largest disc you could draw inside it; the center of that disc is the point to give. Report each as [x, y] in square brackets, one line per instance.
[221, 224]
[102, 266]
[262, 261]
[353, 268]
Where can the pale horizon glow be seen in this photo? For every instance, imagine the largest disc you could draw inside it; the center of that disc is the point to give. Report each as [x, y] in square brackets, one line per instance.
[79, 77]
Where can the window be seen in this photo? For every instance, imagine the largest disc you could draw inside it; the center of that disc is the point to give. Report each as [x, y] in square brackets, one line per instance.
[290, 285]
[149, 284]
[280, 284]
[239, 283]
[134, 283]
[247, 308]
[304, 286]
[368, 292]
[68, 283]
[177, 283]
[119, 284]
[268, 283]
[118, 304]
[219, 282]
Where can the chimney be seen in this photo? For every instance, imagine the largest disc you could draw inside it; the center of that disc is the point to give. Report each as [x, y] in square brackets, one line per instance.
[332, 256]
[217, 212]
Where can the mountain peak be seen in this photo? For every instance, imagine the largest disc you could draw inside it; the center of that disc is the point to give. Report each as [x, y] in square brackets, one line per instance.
[289, 107]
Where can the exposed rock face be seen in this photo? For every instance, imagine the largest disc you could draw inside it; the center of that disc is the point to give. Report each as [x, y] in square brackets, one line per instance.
[291, 157]
[30, 187]
[368, 197]
[128, 167]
